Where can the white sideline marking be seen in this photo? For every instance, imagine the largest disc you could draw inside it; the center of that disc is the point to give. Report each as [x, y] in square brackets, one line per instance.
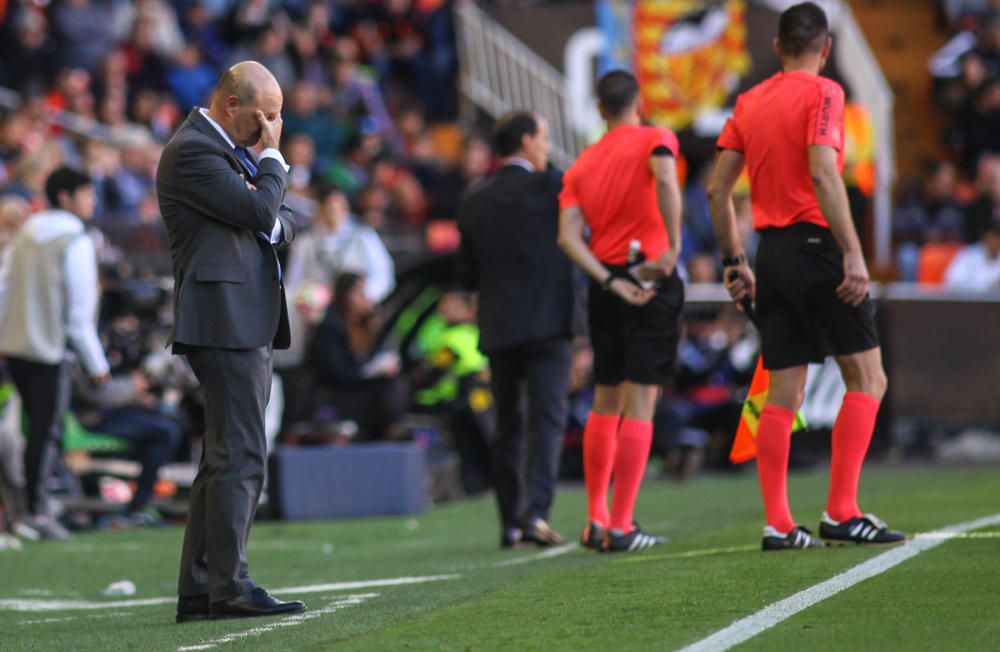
[289, 621]
[366, 584]
[687, 554]
[746, 628]
[108, 548]
[46, 621]
[941, 534]
[551, 552]
[15, 604]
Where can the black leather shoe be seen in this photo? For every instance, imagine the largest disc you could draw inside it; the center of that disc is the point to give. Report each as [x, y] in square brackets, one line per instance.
[256, 603]
[511, 538]
[192, 607]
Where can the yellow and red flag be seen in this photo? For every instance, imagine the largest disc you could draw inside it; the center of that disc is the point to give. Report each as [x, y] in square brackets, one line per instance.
[688, 55]
[745, 443]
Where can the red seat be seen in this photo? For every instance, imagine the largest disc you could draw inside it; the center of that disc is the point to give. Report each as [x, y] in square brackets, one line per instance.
[934, 260]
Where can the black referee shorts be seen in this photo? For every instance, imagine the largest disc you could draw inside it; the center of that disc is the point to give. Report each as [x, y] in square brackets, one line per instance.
[635, 343]
[800, 318]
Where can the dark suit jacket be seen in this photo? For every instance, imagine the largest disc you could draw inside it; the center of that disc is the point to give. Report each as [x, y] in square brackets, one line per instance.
[510, 255]
[227, 293]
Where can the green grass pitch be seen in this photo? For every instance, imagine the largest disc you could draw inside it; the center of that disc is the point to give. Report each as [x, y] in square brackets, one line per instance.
[710, 575]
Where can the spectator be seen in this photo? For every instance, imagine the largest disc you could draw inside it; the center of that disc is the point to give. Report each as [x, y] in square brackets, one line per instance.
[305, 51]
[124, 408]
[977, 129]
[452, 382]
[147, 68]
[339, 243]
[300, 154]
[352, 172]
[346, 356]
[356, 93]
[190, 79]
[247, 19]
[696, 228]
[304, 116]
[931, 214]
[268, 49]
[447, 188]
[986, 207]
[113, 75]
[977, 266]
[84, 31]
[103, 163]
[199, 29]
[48, 298]
[27, 51]
[165, 32]
[957, 93]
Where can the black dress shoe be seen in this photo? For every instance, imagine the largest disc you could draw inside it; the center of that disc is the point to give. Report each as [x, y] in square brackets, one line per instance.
[511, 538]
[256, 603]
[192, 607]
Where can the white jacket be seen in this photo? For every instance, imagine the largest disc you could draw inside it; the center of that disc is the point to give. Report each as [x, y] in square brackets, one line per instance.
[49, 293]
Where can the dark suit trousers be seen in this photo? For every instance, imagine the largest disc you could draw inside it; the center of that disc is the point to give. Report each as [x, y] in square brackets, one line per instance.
[44, 390]
[224, 497]
[526, 459]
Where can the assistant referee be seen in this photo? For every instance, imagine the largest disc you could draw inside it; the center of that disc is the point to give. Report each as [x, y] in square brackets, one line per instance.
[811, 285]
[625, 189]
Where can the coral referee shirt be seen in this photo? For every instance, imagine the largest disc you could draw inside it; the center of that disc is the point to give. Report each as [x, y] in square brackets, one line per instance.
[773, 126]
[612, 184]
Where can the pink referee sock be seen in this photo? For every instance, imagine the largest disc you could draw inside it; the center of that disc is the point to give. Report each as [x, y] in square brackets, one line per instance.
[774, 440]
[599, 441]
[852, 432]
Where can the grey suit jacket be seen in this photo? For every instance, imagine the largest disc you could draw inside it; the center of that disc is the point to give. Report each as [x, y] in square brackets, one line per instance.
[227, 290]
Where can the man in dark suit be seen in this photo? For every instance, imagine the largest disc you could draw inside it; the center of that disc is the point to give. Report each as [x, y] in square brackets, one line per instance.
[527, 305]
[223, 213]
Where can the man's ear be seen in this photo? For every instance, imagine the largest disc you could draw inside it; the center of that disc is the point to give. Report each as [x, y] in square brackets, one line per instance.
[525, 141]
[827, 46]
[232, 104]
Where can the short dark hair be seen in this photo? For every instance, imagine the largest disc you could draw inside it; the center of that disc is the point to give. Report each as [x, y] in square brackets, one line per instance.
[616, 91]
[343, 285]
[324, 189]
[511, 129]
[800, 28]
[64, 179]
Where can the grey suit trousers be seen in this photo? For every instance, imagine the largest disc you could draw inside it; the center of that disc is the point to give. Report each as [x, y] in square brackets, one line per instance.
[224, 497]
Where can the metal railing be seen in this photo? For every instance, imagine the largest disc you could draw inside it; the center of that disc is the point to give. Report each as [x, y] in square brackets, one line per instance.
[499, 73]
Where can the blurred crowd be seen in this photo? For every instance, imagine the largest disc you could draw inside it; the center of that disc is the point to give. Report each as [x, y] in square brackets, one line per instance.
[947, 222]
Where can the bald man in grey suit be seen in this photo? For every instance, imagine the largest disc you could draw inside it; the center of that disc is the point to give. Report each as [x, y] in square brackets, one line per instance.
[224, 216]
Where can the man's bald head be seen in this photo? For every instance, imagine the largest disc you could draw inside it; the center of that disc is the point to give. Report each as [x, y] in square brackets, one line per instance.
[246, 80]
[244, 89]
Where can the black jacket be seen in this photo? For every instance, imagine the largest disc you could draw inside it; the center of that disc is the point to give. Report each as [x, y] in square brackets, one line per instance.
[528, 288]
[227, 291]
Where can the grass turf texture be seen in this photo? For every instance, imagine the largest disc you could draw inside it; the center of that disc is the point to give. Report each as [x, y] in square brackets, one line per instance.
[711, 574]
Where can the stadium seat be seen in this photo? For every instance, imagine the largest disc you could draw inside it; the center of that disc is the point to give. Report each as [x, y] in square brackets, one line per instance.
[76, 438]
[934, 260]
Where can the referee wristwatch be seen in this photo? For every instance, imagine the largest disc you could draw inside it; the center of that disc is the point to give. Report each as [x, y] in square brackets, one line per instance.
[606, 283]
[734, 261]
